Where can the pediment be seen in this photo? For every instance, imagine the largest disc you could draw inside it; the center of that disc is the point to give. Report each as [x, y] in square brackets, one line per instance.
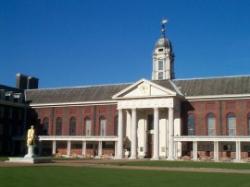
[142, 89]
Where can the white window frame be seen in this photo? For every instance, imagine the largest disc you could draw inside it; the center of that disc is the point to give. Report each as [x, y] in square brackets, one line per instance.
[211, 130]
[103, 127]
[88, 130]
[160, 61]
[231, 124]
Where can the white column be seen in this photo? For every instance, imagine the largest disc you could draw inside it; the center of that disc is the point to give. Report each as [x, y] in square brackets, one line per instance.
[134, 135]
[145, 138]
[238, 151]
[170, 134]
[100, 149]
[216, 151]
[84, 148]
[195, 150]
[116, 149]
[53, 147]
[120, 135]
[68, 148]
[156, 134]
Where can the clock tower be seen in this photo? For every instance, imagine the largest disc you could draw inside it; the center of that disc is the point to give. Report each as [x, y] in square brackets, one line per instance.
[163, 57]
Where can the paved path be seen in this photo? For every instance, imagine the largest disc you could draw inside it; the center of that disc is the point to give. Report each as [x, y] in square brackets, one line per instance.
[110, 164]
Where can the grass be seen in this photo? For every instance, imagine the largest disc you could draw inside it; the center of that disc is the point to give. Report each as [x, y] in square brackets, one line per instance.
[2, 158]
[95, 177]
[187, 164]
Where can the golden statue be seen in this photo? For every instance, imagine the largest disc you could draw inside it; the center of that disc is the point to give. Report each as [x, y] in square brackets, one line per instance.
[31, 136]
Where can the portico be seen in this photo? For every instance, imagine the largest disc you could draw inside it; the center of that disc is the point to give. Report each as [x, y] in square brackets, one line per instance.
[150, 110]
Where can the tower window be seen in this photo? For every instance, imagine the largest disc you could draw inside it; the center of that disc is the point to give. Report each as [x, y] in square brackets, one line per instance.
[160, 50]
[160, 65]
[160, 75]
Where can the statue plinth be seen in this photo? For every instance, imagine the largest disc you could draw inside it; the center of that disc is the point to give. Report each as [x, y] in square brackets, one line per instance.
[30, 153]
[30, 157]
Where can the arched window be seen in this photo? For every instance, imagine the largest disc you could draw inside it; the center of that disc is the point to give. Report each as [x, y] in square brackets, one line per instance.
[72, 126]
[248, 121]
[231, 124]
[211, 131]
[191, 125]
[58, 126]
[88, 126]
[45, 126]
[103, 124]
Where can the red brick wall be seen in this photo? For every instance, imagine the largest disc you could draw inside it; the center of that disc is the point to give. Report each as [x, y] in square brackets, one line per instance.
[94, 113]
[220, 109]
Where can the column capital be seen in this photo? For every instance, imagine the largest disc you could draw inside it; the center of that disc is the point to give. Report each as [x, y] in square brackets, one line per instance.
[171, 108]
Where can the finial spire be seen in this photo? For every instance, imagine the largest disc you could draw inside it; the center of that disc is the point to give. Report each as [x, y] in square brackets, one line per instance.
[163, 27]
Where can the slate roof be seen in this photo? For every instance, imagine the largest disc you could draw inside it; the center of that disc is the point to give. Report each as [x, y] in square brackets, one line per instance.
[188, 87]
[74, 94]
[214, 86]
[8, 88]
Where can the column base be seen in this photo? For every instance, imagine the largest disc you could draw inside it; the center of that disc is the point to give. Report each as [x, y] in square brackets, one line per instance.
[171, 159]
[132, 158]
[238, 161]
[155, 158]
[118, 157]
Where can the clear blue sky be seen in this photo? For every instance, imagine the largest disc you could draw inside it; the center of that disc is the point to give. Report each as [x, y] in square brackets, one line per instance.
[76, 42]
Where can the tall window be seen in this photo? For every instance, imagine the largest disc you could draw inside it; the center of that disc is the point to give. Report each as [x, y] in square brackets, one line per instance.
[211, 125]
[160, 75]
[160, 65]
[103, 123]
[88, 127]
[72, 126]
[231, 124]
[59, 126]
[248, 121]
[45, 126]
[191, 125]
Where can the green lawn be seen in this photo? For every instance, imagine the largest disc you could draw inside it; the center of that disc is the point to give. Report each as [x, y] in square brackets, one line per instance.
[189, 164]
[2, 158]
[96, 177]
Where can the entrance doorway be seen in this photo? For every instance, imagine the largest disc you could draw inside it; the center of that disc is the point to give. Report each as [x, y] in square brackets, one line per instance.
[150, 126]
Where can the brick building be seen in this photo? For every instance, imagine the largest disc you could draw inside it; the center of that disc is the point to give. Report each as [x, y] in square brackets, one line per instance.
[12, 119]
[168, 118]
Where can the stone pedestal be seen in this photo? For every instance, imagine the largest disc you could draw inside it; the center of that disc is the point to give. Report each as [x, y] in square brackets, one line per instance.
[30, 153]
[30, 157]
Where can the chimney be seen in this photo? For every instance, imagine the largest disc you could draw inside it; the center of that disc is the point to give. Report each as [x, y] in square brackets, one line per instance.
[32, 83]
[26, 82]
[21, 81]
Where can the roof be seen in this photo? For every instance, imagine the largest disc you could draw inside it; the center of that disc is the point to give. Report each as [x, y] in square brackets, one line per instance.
[74, 94]
[162, 42]
[214, 86]
[8, 88]
[166, 84]
[188, 87]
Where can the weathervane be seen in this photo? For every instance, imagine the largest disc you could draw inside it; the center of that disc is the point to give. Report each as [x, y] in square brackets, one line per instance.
[163, 27]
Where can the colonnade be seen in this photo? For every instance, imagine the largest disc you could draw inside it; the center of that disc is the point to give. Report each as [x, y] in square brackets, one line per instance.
[134, 125]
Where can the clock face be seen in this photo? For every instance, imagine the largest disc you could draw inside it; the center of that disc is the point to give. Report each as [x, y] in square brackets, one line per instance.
[144, 88]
